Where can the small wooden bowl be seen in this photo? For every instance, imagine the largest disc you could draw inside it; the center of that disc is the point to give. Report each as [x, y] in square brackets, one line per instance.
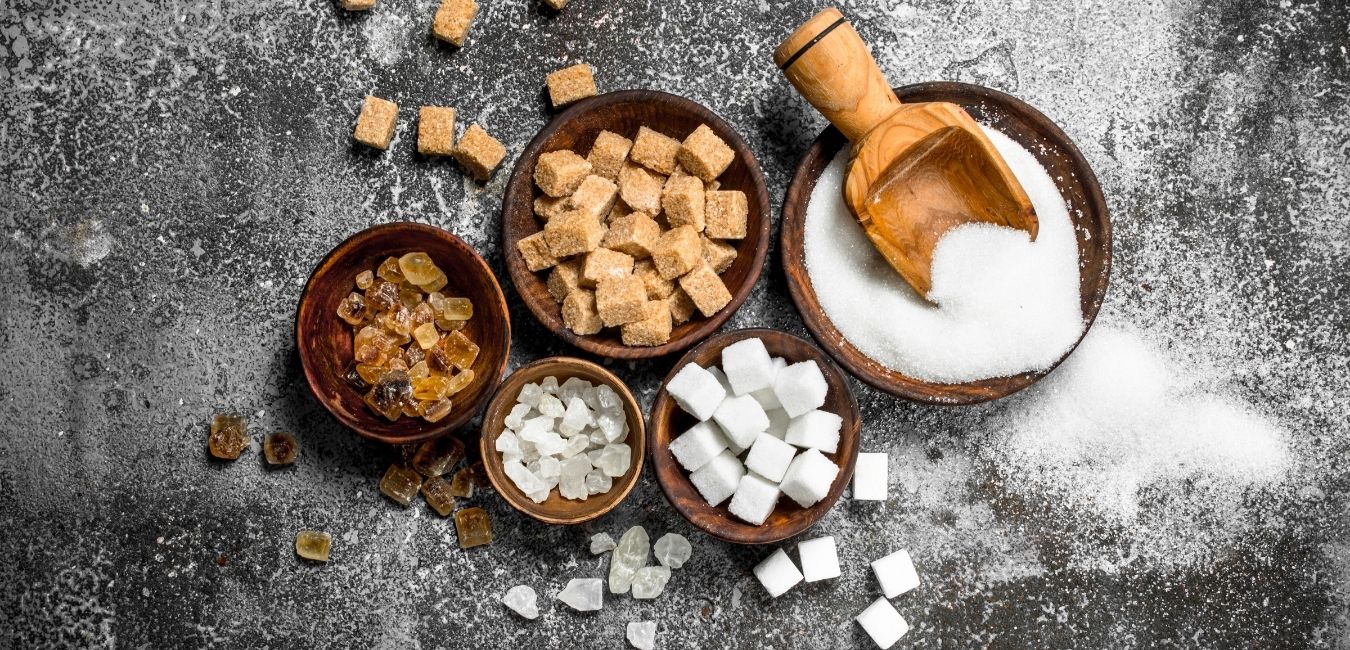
[325, 341]
[623, 112]
[669, 421]
[556, 509]
[1029, 128]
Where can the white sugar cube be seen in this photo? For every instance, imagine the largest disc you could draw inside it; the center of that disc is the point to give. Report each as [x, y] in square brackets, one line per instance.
[700, 444]
[778, 423]
[765, 396]
[819, 558]
[721, 378]
[769, 457]
[815, 429]
[696, 391]
[754, 499]
[576, 417]
[800, 387]
[741, 419]
[869, 477]
[777, 573]
[883, 623]
[895, 573]
[748, 366]
[809, 477]
[719, 478]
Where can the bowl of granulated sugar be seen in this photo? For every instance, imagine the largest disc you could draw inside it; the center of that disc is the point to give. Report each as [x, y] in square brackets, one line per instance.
[1003, 310]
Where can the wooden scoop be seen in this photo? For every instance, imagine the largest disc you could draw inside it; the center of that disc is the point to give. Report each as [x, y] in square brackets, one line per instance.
[917, 170]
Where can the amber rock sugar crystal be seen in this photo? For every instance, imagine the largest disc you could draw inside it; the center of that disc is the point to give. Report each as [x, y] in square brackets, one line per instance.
[313, 545]
[401, 483]
[436, 491]
[474, 527]
[436, 457]
[229, 436]
[280, 448]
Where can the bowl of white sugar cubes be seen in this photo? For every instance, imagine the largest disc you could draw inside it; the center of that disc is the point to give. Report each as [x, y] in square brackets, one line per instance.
[563, 440]
[754, 435]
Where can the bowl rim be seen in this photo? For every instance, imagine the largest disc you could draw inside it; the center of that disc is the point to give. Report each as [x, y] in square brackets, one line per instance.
[669, 470]
[822, 329]
[432, 429]
[510, 493]
[520, 188]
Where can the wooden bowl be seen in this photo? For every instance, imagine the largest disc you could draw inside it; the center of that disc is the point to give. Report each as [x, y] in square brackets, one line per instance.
[623, 112]
[1029, 128]
[325, 341]
[556, 509]
[669, 421]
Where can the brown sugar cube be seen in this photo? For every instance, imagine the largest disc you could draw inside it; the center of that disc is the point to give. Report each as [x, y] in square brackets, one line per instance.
[726, 214]
[681, 307]
[706, 289]
[573, 232]
[658, 288]
[655, 151]
[579, 314]
[682, 202]
[595, 195]
[634, 234]
[559, 173]
[604, 264]
[453, 19]
[564, 279]
[436, 130]
[677, 252]
[704, 154]
[535, 251]
[570, 84]
[547, 207]
[718, 254]
[620, 209]
[375, 125]
[652, 330]
[640, 189]
[608, 153]
[478, 153]
[557, 5]
[620, 300]
[356, 5]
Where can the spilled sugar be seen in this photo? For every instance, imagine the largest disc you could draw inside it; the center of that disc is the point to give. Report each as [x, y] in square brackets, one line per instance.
[1005, 304]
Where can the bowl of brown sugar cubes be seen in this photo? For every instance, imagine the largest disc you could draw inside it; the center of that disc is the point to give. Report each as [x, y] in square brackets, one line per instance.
[635, 223]
[403, 332]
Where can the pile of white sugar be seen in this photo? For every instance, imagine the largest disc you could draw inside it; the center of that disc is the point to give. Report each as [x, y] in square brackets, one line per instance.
[1005, 305]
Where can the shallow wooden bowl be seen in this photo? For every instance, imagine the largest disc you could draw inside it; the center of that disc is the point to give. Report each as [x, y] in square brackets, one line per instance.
[623, 112]
[325, 341]
[1029, 128]
[556, 509]
[669, 421]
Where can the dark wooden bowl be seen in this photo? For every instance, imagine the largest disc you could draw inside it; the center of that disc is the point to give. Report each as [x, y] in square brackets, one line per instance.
[788, 519]
[325, 341]
[555, 509]
[623, 112]
[1029, 128]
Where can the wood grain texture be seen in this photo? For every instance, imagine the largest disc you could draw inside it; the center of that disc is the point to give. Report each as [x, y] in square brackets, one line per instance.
[555, 509]
[1051, 147]
[788, 519]
[325, 342]
[623, 112]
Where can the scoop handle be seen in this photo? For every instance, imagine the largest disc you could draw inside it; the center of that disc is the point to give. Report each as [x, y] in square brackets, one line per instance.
[828, 63]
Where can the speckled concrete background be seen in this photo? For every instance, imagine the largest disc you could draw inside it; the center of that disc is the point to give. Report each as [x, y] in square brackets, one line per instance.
[172, 171]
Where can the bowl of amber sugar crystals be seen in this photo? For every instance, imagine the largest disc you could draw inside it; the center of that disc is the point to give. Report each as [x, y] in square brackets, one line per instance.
[403, 332]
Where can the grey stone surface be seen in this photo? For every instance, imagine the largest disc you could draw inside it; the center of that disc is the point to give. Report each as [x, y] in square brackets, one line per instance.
[170, 173]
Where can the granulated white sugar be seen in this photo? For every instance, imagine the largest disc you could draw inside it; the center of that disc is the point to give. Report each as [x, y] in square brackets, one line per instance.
[1005, 305]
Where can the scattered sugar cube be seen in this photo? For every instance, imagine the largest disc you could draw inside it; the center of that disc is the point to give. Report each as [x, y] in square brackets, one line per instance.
[765, 396]
[356, 5]
[696, 391]
[583, 594]
[706, 289]
[478, 153]
[642, 634]
[869, 477]
[819, 558]
[559, 173]
[522, 600]
[809, 477]
[748, 366]
[435, 130]
[769, 457]
[608, 153]
[655, 151]
[453, 19]
[741, 419]
[883, 623]
[754, 500]
[777, 573]
[778, 423]
[375, 125]
[718, 478]
[895, 573]
[816, 430]
[557, 5]
[570, 84]
[800, 387]
[704, 154]
[695, 447]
